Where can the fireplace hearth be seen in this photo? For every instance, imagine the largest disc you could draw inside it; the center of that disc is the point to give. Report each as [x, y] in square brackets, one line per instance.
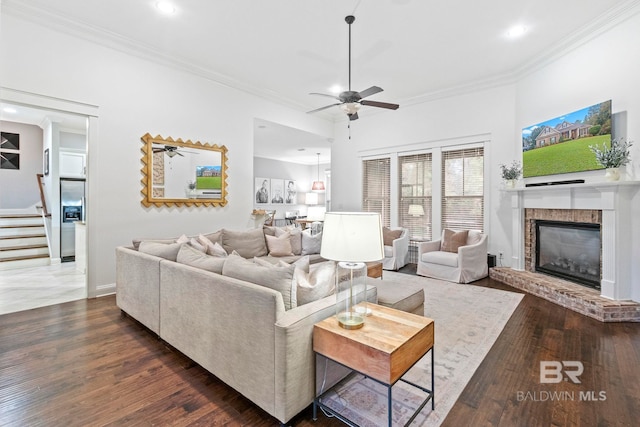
[569, 250]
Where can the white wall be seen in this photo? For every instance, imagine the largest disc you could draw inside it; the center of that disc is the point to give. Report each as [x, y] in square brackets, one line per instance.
[19, 188]
[134, 97]
[606, 67]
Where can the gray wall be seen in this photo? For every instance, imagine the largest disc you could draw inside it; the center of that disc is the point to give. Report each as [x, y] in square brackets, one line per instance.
[19, 188]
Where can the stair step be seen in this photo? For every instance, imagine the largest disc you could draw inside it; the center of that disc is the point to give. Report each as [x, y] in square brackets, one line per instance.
[22, 247]
[20, 231]
[19, 221]
[22, 236]
[26, 257]
[24, 262]
[20, 216]
[21, 226]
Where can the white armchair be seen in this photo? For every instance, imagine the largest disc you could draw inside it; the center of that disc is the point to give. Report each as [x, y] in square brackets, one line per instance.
[396, 254]
[469, 263]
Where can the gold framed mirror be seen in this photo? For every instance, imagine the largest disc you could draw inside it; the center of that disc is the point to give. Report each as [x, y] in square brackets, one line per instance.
[183, 173]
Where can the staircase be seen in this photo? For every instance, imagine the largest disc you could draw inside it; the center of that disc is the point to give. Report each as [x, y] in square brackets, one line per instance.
[23, 242]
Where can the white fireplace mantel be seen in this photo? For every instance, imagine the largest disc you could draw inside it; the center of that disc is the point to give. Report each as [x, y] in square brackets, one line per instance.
[612, 198]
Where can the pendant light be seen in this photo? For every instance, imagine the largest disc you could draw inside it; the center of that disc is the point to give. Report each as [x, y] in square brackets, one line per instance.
[318, 185]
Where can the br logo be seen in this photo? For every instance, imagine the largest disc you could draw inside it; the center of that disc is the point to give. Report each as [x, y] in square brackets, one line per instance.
[553, 372]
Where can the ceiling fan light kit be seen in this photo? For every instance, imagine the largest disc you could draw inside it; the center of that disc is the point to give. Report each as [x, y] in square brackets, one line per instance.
[351, 101]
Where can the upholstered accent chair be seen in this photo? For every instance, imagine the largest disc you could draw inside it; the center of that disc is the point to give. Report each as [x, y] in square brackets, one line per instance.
[459, 257]
[396, 247]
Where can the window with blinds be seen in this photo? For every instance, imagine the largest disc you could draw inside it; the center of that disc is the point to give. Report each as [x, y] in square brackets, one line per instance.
[415, 194]
[376, 186]
[463, 189]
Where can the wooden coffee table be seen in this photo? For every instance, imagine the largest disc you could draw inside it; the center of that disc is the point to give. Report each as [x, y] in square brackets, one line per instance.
[374, 269]
[384, 349]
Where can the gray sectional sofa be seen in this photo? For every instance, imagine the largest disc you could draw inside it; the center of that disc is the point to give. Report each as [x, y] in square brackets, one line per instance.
[254, 337]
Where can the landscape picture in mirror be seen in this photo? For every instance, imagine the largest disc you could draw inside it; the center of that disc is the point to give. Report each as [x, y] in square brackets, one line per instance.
[561, 145]
[177, 172]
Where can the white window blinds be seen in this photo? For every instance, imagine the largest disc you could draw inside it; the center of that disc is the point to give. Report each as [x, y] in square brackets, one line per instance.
[376, 185]
[463, 189]
[415, 194]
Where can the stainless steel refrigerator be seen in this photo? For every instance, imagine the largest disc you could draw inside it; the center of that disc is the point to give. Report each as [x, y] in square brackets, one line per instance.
[72, 204]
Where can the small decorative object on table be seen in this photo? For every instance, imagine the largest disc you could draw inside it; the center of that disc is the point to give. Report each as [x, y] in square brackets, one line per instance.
[510, 174]
[612, 157]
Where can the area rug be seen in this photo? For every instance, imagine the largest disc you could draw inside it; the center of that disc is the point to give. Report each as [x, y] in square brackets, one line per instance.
[468, 320]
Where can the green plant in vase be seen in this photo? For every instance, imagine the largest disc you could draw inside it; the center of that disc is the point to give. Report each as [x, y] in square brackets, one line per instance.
[613, 157]
[511, 173]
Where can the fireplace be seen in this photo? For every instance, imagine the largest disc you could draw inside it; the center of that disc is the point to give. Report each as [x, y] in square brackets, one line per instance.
[569, 250]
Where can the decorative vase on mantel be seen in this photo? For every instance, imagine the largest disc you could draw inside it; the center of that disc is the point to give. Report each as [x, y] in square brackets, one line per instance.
[510, 183]
[612, 174]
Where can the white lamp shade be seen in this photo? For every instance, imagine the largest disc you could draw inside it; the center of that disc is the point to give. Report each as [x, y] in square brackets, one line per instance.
[311, 199]
[316, 213]
[352, 237]
[416, 210]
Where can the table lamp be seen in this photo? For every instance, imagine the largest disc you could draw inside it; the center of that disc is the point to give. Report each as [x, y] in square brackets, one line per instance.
[352, 239]
[416, 210]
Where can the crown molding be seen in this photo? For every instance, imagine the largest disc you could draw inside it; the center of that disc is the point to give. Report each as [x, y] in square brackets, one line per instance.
[111, 40]
[60, 23]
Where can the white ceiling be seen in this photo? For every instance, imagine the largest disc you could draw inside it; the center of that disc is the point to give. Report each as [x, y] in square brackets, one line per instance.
[283, 49]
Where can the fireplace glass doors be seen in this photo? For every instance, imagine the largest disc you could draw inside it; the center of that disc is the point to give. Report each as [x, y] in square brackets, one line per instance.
[569, 250]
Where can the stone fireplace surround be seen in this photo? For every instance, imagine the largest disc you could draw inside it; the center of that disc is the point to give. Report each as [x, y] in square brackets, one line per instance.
[605, 203]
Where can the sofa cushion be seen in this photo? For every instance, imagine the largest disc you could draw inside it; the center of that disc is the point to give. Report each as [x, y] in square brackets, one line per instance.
[136, 242]
[248, 244]
[215, 237]
[280, 279]
[388, 251]
[311, 244]
[440, 257]
[296, 237]
[279, 246]
[212, 248]
[163, 250]
[317, 284]
[452, 240]
[388, 235]
[190, 256]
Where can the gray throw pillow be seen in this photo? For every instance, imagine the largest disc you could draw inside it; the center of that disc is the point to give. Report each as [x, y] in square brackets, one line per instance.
[296, 238]
[278, 278]
[311, 244]
[190, 256]
[163, 250]
[248, 244]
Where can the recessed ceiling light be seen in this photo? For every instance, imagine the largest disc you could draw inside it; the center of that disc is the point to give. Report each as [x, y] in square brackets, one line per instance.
[516, 31]
[301, 149]
[335, 89]
[9, 110]
[166, 7]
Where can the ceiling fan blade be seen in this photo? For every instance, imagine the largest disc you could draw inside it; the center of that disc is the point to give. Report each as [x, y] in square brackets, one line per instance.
[353, 116]
[380, 104]
[323, 108]
[324, 94]
[371, 91]
[178, 153]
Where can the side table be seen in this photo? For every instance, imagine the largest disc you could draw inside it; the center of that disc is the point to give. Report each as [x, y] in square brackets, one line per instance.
[384, 349]
[414, 242]
[374, 269]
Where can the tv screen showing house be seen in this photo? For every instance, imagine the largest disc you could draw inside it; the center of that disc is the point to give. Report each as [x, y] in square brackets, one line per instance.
[561, 145]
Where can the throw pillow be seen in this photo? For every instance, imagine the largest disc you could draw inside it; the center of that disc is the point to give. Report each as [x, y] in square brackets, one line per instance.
[193, 257]
[319, 283]
[136, 242]
[248, 244]
[296, 237]
[214, 237]
[389, 235]
[453, 240]
[193, 242]
[279, 279]
[214, 249]
[163, 250]
[279, 246]
[311, 244]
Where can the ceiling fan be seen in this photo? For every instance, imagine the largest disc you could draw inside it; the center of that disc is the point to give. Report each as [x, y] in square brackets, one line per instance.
[171, 150]
[351, 101]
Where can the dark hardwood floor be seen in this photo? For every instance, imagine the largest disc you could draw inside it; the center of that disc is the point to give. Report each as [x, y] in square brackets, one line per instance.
[84, 364]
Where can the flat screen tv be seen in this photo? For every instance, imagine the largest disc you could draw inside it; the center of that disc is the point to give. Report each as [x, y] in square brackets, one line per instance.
[561, 145]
